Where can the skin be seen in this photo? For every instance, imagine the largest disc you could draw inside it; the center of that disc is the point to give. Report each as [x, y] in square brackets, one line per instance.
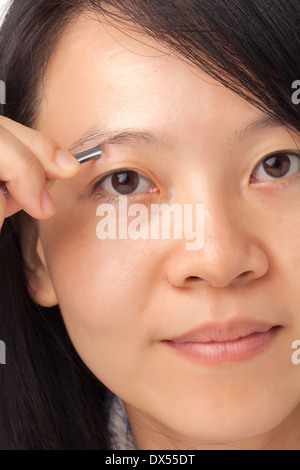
[121, 298]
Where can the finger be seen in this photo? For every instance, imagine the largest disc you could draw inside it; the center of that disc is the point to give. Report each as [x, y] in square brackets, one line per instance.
[57, 162]
[24, 176]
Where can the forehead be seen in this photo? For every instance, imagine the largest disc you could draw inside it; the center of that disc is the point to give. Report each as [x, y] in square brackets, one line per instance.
[103, 74]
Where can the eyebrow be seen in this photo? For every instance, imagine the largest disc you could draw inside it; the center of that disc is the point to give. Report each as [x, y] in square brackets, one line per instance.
[123, 136]
[136, 138]
[259, 126]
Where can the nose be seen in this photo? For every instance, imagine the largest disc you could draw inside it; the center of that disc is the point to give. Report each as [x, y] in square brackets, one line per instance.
[232, 252]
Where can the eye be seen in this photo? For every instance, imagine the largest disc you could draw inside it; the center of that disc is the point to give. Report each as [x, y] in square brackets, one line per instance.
[123, 183]
[279, 165]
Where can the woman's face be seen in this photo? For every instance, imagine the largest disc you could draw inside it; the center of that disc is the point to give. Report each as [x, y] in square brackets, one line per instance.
[143, 313]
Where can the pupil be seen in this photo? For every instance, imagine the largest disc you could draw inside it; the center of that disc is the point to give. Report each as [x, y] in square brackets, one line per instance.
[277, 166]
[126, 182]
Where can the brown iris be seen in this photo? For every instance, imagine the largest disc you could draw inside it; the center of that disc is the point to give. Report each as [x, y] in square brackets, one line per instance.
[278, 165]
[125, 182]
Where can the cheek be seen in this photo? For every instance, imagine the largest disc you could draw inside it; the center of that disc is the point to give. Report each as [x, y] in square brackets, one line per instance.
[285, 257]
[103, 288]
[281, 235]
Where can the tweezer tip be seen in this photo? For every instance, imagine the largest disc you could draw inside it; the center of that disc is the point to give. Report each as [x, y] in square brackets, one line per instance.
[91, 154]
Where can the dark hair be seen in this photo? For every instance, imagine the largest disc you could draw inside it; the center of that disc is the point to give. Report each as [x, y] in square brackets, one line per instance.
[49, 399]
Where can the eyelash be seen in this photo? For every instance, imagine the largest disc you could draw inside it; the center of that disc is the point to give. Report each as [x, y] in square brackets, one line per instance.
[110, 199]
[283, 182]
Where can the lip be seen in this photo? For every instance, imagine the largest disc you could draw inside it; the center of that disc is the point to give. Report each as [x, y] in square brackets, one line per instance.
[228, 342]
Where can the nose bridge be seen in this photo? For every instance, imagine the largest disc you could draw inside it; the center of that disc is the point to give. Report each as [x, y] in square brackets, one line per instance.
[230, 247]
[224, 212]
[224, 225]
[226, 235]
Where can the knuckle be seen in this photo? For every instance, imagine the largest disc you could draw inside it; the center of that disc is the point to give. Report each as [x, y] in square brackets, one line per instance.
[44, 146]
[32, 165]
[29, 169]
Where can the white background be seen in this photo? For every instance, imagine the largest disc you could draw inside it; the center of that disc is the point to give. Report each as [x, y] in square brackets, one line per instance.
[3, 8]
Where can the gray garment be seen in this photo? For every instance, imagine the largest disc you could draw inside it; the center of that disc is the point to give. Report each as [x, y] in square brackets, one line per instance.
[120, 434]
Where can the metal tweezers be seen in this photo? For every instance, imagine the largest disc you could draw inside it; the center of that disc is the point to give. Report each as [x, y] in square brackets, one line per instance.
[91, 154]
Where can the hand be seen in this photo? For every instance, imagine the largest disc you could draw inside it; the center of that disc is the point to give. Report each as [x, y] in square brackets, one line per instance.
[29, 163]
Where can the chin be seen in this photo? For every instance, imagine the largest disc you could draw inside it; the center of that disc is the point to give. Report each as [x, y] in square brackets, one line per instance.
[224, 424]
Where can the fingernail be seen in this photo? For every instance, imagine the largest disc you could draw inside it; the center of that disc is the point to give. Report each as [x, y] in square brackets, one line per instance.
[66, 161]
[47, 202]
